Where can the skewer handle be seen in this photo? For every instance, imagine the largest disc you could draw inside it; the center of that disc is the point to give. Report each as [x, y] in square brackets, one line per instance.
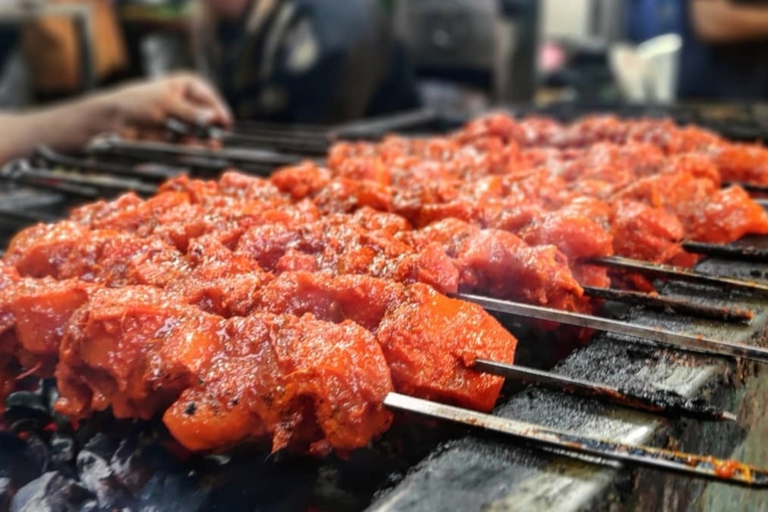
[705, 467]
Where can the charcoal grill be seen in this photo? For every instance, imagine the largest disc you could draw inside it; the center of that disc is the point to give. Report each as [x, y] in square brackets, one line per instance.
[446, 468]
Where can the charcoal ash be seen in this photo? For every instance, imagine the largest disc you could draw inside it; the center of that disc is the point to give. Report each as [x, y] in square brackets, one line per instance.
[51, 492]
[108, 465]
[97, 475]
[20, 463]
[63, 449]
[6, 493]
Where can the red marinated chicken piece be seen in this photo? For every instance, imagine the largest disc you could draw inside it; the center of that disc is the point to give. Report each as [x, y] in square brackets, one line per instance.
[727, 215]
[301, 383]
[40, 309]
[428, 340]
[41, 250]
[9, 367]
[646, 233]
[346, 248]
[500, 264]
[570, 230]
[304, 383]
[133, 350]
[707, 213]
[746, 163]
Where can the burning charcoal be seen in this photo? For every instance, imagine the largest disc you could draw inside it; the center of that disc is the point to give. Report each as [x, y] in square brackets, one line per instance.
[133, 465]
[250, 483]
[173, 492]
[6, 493]
[90, 506]
[50, 394]
[27, 410]
[15, 463]
[102, 445]
[31, 400]
[62, 448]
[52, 492]
[97, 476]
[37, 453]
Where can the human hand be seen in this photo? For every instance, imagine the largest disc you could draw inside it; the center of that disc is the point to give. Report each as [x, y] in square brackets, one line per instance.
[144, 108]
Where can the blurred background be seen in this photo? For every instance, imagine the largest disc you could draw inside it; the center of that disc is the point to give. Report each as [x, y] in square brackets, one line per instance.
[327, 61]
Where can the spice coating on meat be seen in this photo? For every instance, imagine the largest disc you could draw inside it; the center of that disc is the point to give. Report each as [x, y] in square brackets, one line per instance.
[285, 309]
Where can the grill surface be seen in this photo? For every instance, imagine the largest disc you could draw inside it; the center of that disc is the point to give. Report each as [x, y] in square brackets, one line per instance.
[118, 464]
[478, 473]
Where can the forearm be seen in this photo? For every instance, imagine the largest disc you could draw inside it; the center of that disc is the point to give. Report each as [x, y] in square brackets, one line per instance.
[64, 127]
[723, 21]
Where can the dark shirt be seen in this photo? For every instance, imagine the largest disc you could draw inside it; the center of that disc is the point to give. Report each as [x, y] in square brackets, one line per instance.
[9, 36]
[332, 60]
[725, 71]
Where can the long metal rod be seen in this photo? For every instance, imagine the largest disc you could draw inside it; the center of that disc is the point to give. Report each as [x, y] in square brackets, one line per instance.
[655, 336]
[667, 403]
[315, 145]
[305, 147]
[201, 166]
[231, 155]
[26, 216]
[750, 187]
[679, 274]
[292, 130]
[23, 172]
[12, 169]
[377, 127]
[53, 158]
[731, 252]
[697, 466]
[671, 304]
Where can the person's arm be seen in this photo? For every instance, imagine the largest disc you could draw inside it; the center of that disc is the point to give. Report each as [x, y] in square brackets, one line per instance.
[726, 21]
[131, 109]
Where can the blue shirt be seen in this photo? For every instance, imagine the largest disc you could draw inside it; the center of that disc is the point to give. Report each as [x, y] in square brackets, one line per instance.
[731, 71]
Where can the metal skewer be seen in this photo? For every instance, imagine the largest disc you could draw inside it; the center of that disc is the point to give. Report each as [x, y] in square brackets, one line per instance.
[667, 403]
[52, 158]
[315, 144]
[749, 187]
[708, 468]
[26, 216]
[647, 335]
[376, 128]
[305, 131]
[228, 157]
[22, 171]
[671, 304]
[305, 147]
[730, 252]
[679, 273]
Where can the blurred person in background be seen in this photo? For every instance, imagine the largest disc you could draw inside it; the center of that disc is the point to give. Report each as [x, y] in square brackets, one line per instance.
[13, 76]
[9, 36]
[303, 61]
[725, 44]
[134, 110]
